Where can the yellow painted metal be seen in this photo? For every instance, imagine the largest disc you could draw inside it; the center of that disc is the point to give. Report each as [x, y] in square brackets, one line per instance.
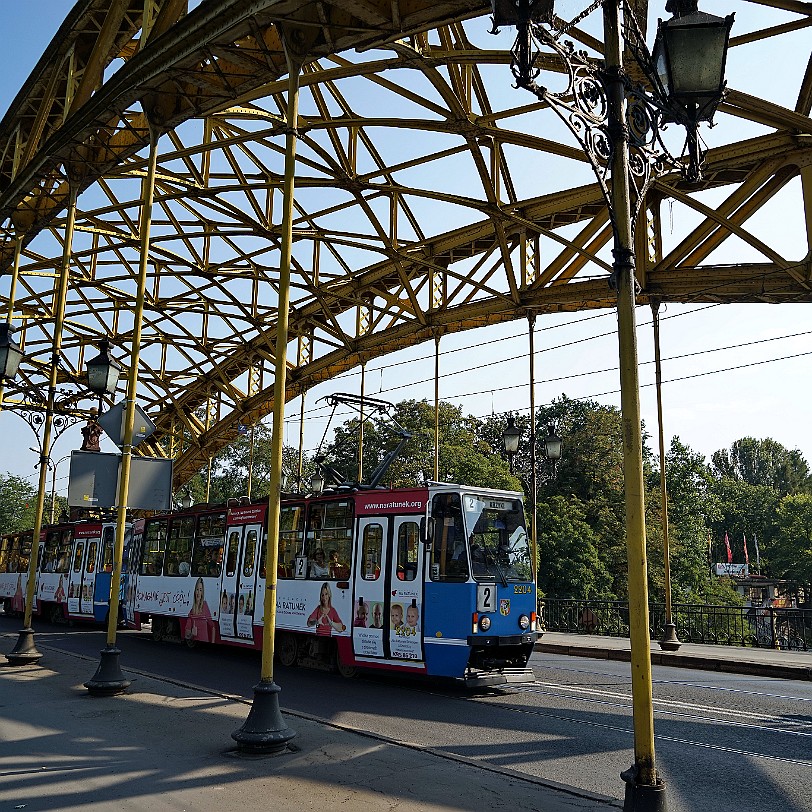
[642, 696]
[60, 301]
[283, 299]
[147, 193]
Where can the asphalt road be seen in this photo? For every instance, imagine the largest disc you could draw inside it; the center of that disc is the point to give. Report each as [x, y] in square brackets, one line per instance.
[724, 742]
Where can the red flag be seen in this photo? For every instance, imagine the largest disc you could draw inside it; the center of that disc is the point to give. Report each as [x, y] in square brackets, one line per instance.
[729, 551]
[746, 557]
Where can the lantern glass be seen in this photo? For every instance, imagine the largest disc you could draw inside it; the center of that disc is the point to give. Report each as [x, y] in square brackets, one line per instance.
[10, 353]
[317, 483]
[689, 57]
[510, 437]
[552, 445]
[103, 372]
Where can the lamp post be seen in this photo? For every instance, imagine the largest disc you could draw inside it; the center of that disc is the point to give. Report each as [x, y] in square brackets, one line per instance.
[317, 482]
[510, 440]
[617, 125]
[103, 372]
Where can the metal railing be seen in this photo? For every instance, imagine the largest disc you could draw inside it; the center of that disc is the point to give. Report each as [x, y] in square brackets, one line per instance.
[767, 627]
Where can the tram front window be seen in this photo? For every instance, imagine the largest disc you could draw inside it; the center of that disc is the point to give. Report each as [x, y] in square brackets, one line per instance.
[498, 540]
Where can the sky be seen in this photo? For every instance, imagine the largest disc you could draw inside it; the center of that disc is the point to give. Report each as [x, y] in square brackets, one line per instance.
[729, 371]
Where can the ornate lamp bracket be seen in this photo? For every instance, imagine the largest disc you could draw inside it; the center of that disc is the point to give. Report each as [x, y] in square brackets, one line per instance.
[584, 108]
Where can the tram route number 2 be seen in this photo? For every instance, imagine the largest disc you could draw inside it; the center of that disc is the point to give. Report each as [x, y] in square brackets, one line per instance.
[486, 597]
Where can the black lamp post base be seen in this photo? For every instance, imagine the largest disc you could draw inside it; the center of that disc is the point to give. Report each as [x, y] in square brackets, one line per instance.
[108, 679]
[264, 731]
[642, 797]
[25, 652]
[670, 641]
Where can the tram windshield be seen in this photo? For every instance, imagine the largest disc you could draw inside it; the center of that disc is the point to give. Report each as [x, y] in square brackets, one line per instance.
[497, 538]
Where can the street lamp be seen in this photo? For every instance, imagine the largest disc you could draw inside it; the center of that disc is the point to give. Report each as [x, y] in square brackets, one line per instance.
[617, 124]
[10, 352]
[53, 485]
[186, 500]
[317, 482]
[552, 446]
[103, 371]
[510, 440]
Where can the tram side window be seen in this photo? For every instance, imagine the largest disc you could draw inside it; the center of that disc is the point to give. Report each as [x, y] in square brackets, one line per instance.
[231, 554]
[91, 556]
[50, 550]
[408, 540]
[291, 535]
[77, 557]
[250, 554]
[152, 562]
[371, 549]
[179, 546]
[63, 553]
[108, 540]
[207, 561]
[5, 546]
[25, 554]
[449, 557]
[329, 540]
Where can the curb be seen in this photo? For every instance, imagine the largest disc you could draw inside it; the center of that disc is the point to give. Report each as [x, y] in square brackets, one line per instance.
[674, 659]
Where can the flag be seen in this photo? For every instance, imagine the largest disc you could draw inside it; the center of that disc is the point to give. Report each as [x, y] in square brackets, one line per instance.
[746, 557]
[758, 555]
[729, 551]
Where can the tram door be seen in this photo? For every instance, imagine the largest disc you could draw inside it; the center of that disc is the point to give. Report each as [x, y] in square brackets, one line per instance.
[388, 603]
[239, 585]
[84, 560]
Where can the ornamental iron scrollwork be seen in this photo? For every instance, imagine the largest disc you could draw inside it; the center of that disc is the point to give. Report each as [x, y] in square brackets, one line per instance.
[584, 105]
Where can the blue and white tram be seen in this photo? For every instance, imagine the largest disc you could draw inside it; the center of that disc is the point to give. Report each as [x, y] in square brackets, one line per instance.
[434, 581]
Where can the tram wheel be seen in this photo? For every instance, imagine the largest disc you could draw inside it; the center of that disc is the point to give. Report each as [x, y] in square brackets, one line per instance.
[346, 671]
[57, 616]
[157, 629]
[287, 650]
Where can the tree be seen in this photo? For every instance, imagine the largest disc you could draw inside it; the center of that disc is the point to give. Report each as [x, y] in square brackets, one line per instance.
[763, 462]
[692, 508]
[18, 504]
[791, 554]
[569, 562]
[465, 455]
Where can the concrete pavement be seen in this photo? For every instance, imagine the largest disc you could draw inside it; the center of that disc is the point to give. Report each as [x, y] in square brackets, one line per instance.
[164, 746]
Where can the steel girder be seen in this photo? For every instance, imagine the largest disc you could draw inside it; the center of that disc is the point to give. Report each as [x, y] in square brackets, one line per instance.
[431, 197]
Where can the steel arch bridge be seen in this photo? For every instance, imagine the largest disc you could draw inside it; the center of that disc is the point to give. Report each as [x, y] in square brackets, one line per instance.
[430, 196]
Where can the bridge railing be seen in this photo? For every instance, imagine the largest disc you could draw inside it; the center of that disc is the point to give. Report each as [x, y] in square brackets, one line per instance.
[762, 627]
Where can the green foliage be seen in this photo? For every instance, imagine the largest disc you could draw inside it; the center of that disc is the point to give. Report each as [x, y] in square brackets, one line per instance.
[763, 462]
[465, 455]
[18, 504]
[569, 563]
[791, 554]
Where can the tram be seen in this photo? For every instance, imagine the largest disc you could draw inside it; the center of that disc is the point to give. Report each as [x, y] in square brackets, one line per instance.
[434, 580]
[74, 571]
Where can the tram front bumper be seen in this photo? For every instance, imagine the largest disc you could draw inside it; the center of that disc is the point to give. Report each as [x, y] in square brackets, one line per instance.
[494, 641]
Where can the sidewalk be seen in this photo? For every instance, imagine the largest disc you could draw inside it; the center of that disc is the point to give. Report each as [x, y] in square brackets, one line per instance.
[162, 746]
[762, 662]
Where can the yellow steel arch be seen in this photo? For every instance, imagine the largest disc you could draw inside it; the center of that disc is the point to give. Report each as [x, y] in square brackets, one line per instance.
[431, 197]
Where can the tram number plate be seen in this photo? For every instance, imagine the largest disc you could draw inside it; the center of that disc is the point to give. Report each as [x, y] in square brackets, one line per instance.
[486, 598]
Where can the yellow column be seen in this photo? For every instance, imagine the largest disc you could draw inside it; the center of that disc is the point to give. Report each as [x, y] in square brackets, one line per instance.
[25, 650]
[108, 678]
[643, 771]
[265, 731]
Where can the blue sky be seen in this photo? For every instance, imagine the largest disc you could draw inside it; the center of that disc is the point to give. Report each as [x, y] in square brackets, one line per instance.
[729, 371]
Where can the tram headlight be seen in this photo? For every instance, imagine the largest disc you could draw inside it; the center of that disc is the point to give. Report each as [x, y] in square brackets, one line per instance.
[484, 623]
[524, 622]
